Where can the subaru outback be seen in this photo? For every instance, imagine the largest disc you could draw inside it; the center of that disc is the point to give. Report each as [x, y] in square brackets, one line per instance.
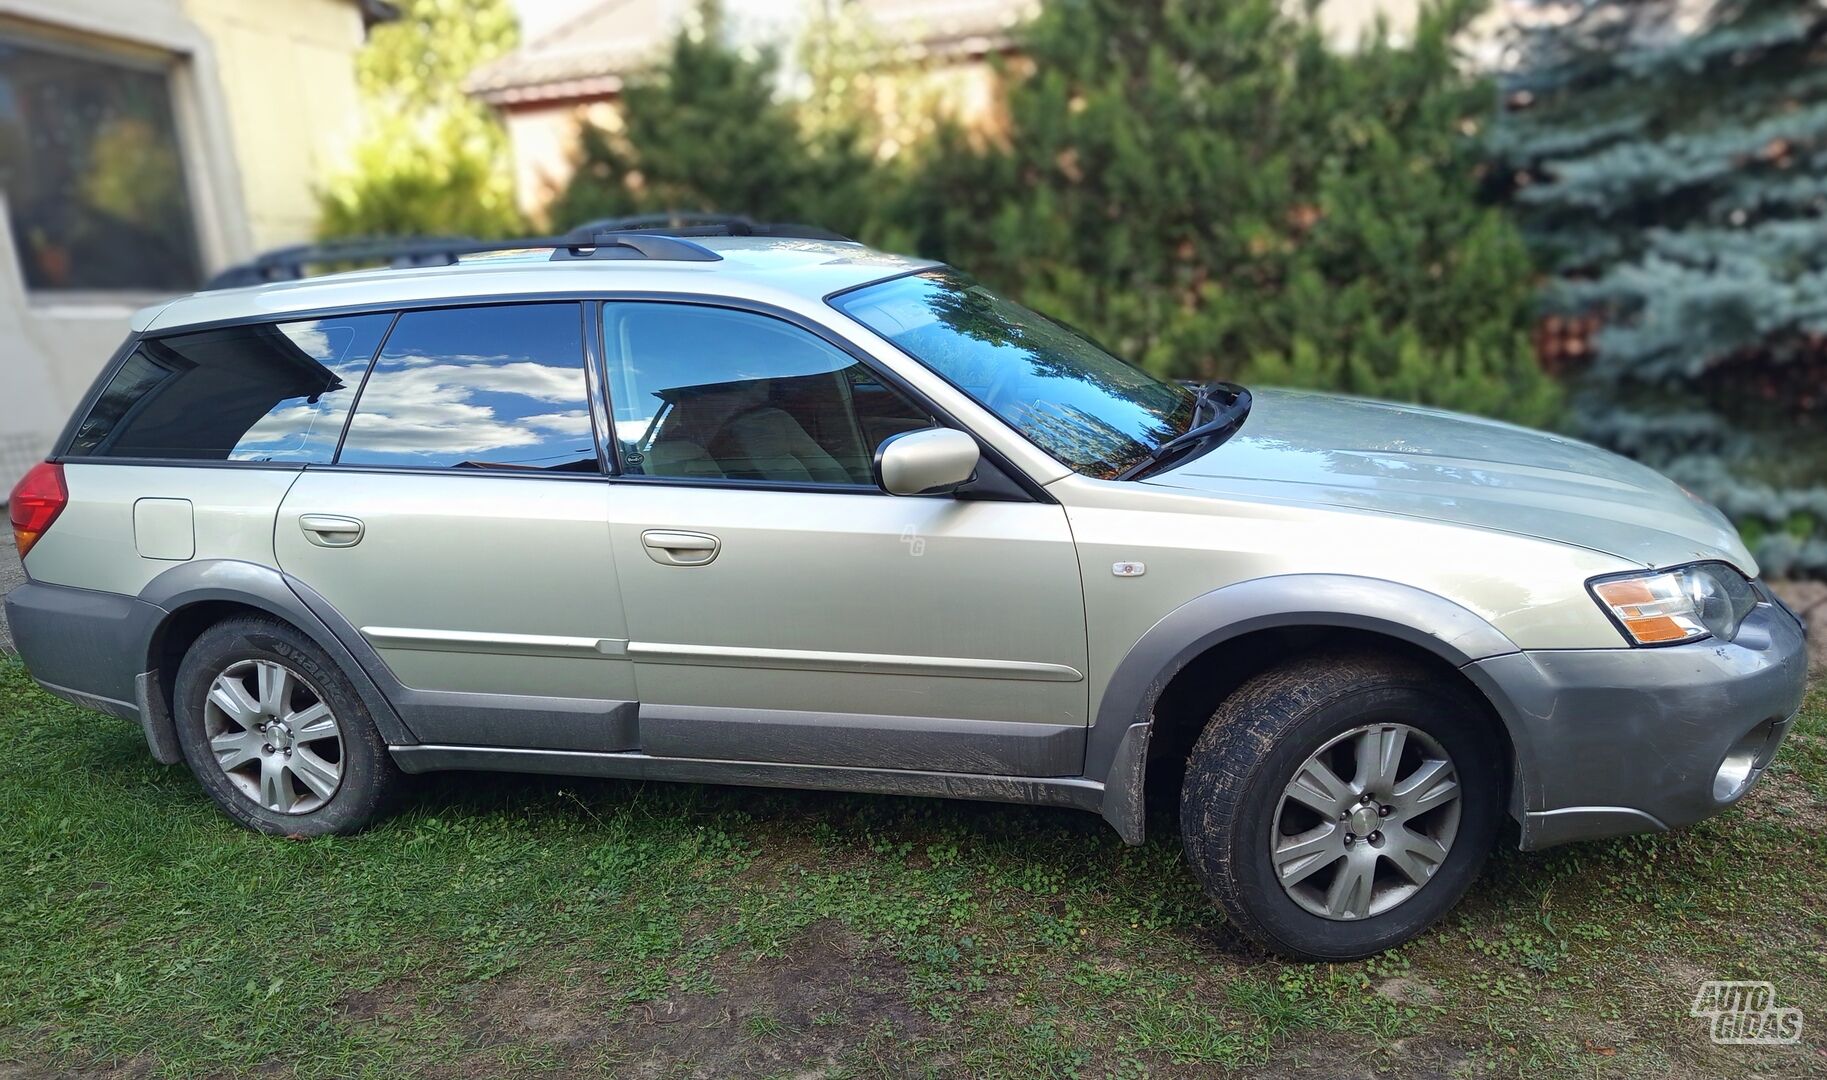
[766, 509]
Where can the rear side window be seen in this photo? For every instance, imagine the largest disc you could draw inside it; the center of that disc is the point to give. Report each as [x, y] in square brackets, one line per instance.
[478, 388]
[263, 393]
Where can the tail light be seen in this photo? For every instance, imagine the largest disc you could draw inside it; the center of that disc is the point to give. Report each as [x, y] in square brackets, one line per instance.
[36, 501]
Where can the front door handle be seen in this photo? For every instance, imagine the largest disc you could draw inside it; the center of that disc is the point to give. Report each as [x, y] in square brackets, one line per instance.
[671, 548]
[330, 530]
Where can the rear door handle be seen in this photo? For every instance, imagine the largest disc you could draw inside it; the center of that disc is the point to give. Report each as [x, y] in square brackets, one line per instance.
[330, 530]
[671, 548]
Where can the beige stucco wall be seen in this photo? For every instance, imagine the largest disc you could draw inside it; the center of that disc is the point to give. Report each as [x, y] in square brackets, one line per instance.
[287, 74]
[263, 92]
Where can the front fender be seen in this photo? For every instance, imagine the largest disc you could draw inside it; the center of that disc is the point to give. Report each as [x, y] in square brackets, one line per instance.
[1116, 749]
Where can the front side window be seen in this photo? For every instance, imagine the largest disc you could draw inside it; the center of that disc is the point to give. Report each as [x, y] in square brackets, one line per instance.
[711, 393]
[478, 388]
[262, 393]
[1092, 412]
[90, 166]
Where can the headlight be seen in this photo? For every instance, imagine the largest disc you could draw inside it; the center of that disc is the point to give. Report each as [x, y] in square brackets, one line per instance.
[1663, 607]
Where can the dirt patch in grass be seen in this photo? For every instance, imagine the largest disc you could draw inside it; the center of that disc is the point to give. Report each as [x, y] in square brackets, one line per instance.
[829, 1000]
[1322, 1058]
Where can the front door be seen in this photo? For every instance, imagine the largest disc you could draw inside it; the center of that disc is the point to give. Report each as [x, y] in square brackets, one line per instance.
[782, 608]
[464, 532]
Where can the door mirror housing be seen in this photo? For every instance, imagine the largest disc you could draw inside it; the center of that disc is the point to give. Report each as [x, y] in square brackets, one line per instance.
[930, 461]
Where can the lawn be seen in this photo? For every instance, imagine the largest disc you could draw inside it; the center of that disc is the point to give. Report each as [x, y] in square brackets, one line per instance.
[516, 924]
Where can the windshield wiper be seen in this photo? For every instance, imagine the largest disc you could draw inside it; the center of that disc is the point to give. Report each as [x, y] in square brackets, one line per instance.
[1228, 405]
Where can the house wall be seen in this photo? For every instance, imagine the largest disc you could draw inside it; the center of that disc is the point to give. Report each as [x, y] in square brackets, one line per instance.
[262, 95]
[287, 72]
[544, 138]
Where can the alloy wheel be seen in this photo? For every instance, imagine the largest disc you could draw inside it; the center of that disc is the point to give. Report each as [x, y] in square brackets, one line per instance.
[1366, 821]
[274, 737]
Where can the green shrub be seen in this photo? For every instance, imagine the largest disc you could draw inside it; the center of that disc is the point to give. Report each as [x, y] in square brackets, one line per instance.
[432, 162]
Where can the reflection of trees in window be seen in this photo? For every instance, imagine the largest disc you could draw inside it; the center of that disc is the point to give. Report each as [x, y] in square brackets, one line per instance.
[1090, 410]
[90, 165]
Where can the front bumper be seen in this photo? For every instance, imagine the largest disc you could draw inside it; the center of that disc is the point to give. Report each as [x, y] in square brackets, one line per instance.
[1616, 741]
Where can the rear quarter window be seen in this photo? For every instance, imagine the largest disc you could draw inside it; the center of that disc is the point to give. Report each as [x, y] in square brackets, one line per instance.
[272, 392]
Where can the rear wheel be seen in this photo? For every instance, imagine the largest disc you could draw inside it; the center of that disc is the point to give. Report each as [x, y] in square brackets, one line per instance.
[1339, 805]
[276, 734]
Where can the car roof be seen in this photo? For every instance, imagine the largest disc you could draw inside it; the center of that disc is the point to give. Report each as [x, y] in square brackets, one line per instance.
[767, 269]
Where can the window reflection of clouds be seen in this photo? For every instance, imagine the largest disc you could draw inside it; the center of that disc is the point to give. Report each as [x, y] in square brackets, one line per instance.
[500, 385]
[303, 430]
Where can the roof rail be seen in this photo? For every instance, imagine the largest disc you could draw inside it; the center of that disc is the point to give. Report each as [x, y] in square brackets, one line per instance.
[629, 245]
[291, 263]
[677, 223]
[660, 237]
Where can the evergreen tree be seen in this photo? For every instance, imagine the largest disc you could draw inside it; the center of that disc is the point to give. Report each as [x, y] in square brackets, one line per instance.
[432, 162]
[705, 130]
[1211, 190]
[1673, 177]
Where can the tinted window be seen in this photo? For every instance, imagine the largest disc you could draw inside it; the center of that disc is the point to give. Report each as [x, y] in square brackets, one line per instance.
[90, 166]
[712, 393]
[249, 393]
[1093, 412]
[485, 387]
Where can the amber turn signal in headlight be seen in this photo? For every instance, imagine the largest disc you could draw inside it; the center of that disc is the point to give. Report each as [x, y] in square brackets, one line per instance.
[1684, 604]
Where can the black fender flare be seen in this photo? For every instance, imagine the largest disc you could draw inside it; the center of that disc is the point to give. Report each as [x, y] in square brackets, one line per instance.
[1116, 747]
[264, 589]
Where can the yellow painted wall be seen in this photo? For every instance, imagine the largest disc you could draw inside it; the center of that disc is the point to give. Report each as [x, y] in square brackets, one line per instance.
[287, 69]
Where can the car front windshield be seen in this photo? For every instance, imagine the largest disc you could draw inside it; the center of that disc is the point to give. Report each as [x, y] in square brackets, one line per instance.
[1094, 413]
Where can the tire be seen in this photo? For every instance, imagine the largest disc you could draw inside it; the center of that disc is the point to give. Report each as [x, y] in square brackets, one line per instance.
[280, 782]
[1239, 814]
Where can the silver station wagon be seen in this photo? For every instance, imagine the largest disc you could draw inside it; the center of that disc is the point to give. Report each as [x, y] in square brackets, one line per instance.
[741, 505]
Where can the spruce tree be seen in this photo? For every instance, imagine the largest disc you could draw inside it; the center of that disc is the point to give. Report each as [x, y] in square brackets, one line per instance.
[1212, 191]
[705, 130]
[1673, 178]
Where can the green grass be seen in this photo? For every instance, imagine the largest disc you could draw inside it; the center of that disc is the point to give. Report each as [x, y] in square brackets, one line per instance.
[503, 923]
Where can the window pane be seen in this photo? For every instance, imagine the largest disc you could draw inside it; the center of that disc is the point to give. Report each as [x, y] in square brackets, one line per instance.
[90, 165]
[248, 393]
[706, 392]
[478, 388]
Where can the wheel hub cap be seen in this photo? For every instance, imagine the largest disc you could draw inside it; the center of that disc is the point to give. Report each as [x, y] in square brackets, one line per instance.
[1365, 819]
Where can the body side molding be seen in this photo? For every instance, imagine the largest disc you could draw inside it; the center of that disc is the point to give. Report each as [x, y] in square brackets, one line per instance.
[1116, 747]
[865, 663]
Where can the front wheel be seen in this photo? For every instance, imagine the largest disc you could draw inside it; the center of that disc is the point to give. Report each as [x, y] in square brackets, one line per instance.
[1338, 806]
[276, 734]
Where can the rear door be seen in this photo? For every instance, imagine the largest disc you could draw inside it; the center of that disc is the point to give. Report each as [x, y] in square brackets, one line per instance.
[464, 531]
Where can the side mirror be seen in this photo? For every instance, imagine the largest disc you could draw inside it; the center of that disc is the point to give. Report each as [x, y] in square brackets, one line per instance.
[925, 462]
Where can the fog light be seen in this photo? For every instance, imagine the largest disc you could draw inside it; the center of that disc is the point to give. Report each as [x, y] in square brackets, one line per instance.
[1741, 763]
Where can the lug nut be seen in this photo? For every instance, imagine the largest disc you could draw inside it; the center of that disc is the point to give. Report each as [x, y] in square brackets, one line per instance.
[1383, 811]
[1375, 838]
[1351, 838]
[267, 749]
